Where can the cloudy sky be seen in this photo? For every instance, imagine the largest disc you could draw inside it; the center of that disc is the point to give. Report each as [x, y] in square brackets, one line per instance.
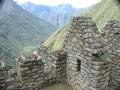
[75, 3]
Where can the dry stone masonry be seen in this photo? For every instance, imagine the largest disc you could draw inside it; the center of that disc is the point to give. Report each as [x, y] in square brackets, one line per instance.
[112, 37]
[58, 65]
[84, 47]
[3, 73]
[34, 72]
[90, 60]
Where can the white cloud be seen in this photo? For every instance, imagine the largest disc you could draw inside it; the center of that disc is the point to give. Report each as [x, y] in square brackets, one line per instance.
[75, 3]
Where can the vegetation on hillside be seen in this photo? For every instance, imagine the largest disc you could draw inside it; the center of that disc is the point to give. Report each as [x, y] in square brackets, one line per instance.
[104, 11]
[8, 51]
[20, 29]
[55, 41]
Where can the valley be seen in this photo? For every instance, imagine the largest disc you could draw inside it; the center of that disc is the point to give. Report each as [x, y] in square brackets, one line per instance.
[18, 29]
[56, 15]
[25, 27]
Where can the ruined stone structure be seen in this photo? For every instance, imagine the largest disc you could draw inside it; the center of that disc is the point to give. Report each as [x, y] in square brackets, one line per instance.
[90, 60]
[3, 73]
[112, 42]
[85, 70]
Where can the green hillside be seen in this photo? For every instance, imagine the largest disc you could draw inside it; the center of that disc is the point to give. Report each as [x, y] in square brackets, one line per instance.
[20, 31]
[101, 13]
[55, 41]
[8, 51]
[104, 11]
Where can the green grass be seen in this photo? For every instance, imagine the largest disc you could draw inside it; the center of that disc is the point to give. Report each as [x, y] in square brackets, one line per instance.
[103, 12]
[28, 49]
[55, 41]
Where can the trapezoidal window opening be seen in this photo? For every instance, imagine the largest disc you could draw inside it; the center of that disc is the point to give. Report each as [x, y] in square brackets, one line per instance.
[78, 65]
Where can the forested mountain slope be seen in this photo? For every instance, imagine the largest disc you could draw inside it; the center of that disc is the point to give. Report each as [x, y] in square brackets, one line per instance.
[20, 29]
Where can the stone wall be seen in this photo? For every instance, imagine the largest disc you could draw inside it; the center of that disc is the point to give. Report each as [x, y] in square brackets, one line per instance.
[3, 73]
[58, 65]
[94, 76]
[112, 41]
[83, 42]
[31, 74]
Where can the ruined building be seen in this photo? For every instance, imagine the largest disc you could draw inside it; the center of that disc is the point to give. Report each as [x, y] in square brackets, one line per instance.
[90, 60]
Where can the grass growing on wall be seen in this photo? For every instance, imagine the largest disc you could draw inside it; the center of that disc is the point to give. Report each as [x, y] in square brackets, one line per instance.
[100, 56]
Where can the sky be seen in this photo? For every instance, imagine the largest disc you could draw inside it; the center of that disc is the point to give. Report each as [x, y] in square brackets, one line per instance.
[74, 3]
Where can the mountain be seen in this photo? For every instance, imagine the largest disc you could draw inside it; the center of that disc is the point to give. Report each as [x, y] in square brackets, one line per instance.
[55, 41]
[20, 30]
[56, 15]
[8, 51]
[104, 11]
[101, 13]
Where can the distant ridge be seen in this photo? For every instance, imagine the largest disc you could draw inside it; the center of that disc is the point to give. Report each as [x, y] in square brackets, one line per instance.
[20, 29]
[56, 15]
